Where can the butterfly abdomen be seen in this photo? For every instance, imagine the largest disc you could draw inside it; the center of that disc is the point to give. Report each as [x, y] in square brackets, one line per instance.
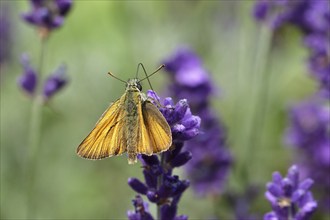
[131, 122]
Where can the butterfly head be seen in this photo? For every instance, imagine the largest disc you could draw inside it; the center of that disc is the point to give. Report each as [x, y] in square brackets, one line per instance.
[133, 84]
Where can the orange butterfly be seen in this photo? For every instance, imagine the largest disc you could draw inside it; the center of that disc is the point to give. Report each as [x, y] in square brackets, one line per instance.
[132, 124]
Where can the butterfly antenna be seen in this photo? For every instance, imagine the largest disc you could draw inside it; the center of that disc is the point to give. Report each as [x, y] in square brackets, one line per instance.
[145, 72]
[147, 77]
[137, 70]
[111, 74]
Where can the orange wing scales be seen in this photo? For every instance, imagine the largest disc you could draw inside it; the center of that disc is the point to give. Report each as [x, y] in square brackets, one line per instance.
[107, 138]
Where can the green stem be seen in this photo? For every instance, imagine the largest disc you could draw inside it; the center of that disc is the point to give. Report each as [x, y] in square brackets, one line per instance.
[159, 182]
[242, 71]
[259, 101]
[34, 135]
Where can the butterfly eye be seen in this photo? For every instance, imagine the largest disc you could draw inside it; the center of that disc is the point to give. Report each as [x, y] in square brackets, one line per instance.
[138, 85]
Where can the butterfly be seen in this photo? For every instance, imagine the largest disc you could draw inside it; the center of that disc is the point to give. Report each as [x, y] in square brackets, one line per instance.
[132, 124]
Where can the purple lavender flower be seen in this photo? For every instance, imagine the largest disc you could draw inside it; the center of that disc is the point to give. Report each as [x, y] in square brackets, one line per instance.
[316, 17]
[168, 194]
[308, 15]
[260, 10]
[315, 22]
[310, 126]
[48, 14]
[190, 79]
[276, 12]
[5, 30]
[141, 211]
[27, 81]
[184, 125]
[161, 186]
[309, 132]
[319, 61]
[55, 82]
[210, 164]
[289, 197]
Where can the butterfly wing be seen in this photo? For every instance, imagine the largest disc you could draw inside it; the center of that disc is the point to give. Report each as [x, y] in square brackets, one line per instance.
[107, 138]
[144, 145]
[157, 128]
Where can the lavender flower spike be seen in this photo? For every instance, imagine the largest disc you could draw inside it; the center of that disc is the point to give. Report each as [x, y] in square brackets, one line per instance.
[309, 133]
[289, 197]
[209, 166]
[27, 81]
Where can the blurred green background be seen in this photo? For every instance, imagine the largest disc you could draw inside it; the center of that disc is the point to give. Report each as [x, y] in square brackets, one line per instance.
[99, 36]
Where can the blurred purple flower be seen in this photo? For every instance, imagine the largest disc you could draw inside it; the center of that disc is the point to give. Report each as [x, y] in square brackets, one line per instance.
[211, 160]
[48, 14]
[319, 61]
[190, 79]
[276, 12]
[313, 18]
[209, 168]
[309, 132]
[308, 15]
[161, 186]
[316, 17]
[260, 10]
[290, 197]
[310, 126]
[55, 82]
[28, 80]
[5, 30]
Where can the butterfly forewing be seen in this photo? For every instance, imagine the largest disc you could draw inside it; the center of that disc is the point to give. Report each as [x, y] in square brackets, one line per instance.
[158, 130]
[107, 138]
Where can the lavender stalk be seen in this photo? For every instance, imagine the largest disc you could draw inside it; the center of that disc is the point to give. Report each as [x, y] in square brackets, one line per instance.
[45, 16]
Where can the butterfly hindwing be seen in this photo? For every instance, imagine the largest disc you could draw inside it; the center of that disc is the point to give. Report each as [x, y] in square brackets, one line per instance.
[144, 145]
[158, 130]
